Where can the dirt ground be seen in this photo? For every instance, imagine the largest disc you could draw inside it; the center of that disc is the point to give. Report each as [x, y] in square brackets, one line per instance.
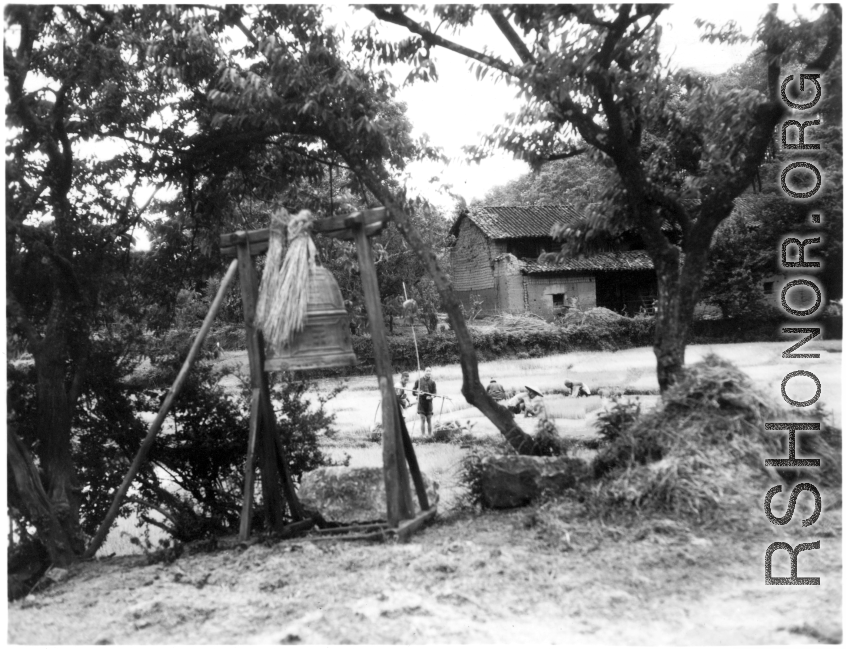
[522, 576]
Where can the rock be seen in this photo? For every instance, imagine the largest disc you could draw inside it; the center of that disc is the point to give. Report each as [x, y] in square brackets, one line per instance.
[352, 494]
[56, 575]
[516, 480]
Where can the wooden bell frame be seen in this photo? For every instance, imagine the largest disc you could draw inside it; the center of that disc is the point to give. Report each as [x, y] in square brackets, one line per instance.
[398, 454]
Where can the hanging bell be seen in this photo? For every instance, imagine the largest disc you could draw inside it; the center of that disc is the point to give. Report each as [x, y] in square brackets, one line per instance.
[325, 339]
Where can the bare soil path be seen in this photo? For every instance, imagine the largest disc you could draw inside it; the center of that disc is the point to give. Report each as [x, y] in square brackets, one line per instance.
[524, 577]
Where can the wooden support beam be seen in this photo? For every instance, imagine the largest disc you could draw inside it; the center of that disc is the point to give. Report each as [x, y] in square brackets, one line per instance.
[147, 444]
[338, 227]
[274, 508]
[412, 459]
[253, 435]
[397, 493]
[288, 489]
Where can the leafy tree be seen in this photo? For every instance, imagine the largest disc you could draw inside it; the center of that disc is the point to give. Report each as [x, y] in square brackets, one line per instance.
[575, 181]
[75, 75]
[591, 80]
[293, 86]
[746, 247]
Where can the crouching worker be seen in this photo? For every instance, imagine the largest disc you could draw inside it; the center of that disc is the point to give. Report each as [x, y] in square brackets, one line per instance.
[517, 404]
[496, 391]
[535, 403]
[577, 389]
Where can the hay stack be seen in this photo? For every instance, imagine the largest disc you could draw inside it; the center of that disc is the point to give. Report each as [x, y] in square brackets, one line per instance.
[704, 447]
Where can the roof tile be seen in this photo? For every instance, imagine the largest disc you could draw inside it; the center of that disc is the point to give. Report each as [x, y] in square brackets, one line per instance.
[506, 222]
[626, 260]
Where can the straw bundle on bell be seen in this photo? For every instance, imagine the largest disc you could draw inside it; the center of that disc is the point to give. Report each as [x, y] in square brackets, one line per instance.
[284, 291]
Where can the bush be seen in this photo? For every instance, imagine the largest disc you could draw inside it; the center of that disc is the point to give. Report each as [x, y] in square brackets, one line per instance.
[205, 455]
[440, 348]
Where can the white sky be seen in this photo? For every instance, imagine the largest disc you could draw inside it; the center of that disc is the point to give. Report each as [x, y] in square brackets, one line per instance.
[458, 108]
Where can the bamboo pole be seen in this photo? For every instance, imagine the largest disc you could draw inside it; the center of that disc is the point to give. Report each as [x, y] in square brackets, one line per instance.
[147, 444]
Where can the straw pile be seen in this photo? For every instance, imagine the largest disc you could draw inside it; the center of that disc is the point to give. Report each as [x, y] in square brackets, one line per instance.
[597, 315]
[704, 447]
[520, 322]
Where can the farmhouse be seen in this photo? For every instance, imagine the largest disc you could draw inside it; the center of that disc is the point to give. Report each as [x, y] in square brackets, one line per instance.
[495, 260]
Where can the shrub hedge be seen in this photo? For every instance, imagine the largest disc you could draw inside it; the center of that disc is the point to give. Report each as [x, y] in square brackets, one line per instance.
[440, 348]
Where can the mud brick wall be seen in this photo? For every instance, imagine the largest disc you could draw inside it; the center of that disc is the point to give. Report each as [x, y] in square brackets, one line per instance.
[541, 288]
[470, 260]
[510, 284]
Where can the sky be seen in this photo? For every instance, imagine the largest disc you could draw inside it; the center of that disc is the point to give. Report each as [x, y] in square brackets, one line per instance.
[458, 108]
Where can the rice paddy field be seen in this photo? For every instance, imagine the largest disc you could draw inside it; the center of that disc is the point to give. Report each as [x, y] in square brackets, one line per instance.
[633, 371]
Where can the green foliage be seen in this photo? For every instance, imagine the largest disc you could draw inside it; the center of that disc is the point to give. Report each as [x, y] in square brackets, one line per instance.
[440, 348]
[198, 487]
[470, 475]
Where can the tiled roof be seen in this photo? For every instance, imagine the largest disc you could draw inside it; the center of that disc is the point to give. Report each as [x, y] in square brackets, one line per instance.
[517, 222]
[627, 260]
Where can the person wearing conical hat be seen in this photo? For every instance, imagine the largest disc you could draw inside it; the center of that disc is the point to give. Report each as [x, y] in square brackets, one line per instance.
[535, 403]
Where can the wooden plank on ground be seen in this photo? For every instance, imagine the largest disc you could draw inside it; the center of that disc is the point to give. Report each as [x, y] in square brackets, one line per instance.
[409, 527]
[352, 528]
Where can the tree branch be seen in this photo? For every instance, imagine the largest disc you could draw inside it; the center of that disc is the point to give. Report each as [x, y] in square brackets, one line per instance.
[398, 18]
[833, 44]
[563, 156]
[511, 35]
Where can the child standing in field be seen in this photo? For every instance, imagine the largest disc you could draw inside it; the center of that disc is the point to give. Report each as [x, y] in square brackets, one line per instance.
[424, 389]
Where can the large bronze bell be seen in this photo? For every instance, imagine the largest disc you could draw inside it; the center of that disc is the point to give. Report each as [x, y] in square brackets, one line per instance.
[325, 339]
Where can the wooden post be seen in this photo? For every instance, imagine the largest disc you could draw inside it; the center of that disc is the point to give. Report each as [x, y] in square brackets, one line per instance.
[397, 493]
[247, 505]
[274, 508]
[147, 444]
[414, 469]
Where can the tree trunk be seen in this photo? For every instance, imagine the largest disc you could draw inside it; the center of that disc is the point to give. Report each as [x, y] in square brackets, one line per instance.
[54, 431]
[679, 287]
[27, 491]
[472, 389]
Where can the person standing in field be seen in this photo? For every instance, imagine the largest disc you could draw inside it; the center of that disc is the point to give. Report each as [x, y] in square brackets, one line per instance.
[496, 391]
[400, 390]
[424, 389]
